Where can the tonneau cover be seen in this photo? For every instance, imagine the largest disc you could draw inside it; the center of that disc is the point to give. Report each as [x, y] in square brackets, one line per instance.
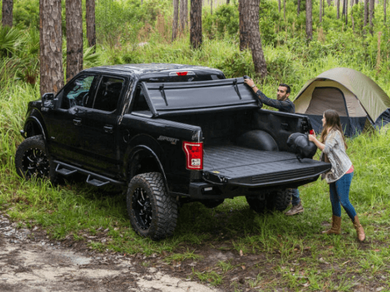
[236, 165]
[182, 96]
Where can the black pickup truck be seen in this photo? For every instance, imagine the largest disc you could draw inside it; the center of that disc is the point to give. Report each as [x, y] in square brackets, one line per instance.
[169, 134]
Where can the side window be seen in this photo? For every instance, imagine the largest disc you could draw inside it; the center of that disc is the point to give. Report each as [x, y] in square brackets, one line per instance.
[140, 104]
[108, 94]
[77, 92]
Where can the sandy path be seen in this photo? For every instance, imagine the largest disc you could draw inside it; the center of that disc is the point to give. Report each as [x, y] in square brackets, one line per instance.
[43, 265]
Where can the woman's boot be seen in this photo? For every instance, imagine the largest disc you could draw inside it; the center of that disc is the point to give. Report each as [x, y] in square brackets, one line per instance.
[336, 226]
[359, 229]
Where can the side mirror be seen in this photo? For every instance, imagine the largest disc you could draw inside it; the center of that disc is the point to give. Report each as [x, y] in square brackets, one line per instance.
[47, 101]
[47, 96]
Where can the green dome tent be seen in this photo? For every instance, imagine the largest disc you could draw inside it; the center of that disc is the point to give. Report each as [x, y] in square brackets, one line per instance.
[352, 94]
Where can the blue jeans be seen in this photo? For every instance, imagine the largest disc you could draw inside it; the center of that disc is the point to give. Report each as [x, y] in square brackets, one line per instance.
[295, 199]
[339, 195]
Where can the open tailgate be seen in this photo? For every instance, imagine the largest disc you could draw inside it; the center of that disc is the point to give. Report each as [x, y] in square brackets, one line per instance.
[234, 165]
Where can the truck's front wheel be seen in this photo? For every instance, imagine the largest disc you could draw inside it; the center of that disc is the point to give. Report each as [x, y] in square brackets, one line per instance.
[32, 160]
[152, 212]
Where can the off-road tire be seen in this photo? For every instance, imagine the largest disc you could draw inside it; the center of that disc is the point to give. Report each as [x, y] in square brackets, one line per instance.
[152, 212]
[257, 203]
[32, 160]
[279, 200]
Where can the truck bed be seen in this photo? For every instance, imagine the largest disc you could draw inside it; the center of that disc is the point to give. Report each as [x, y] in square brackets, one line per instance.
[235, 165]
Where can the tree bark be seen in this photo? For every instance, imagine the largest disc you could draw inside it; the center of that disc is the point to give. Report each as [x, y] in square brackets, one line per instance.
[279, 5]
[244, 23]
[227, 2]
[183, 15]
[7, 9]
[74, 38]
[320, 11]
[255, 38]
[329, 2]
[51, 72]
[365, 17]
[371, 15]
[309, 21]
[346, 11]
[175, 19]
[196, 24]
[90, 20]
[284, 9]
[338, 9]
[298, 7]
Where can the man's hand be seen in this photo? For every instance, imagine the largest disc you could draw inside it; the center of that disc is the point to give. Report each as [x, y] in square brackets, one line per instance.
[249, 82]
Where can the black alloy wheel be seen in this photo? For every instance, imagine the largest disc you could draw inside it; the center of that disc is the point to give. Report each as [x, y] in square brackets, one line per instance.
[142, 208]
[32, 160]
[152, 211]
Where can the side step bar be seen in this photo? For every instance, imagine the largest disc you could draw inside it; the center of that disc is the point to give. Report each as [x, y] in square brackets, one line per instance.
[94, 179]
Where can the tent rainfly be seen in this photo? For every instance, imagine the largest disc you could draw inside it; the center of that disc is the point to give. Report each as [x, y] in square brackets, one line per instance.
[353, 95]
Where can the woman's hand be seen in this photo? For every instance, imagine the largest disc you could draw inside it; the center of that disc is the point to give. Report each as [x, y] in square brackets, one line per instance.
[319, 145]
[312, 138]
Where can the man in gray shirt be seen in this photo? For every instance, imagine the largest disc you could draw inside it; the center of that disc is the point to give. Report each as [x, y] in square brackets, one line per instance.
[283, 104]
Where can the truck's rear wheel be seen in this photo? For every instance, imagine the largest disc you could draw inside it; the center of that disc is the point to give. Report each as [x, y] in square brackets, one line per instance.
[279, 200]
[257, 203]
[152, 212]
[32, 160]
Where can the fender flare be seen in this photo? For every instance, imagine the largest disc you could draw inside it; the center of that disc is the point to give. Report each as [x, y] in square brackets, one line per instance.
[143, 148]
[35, 121]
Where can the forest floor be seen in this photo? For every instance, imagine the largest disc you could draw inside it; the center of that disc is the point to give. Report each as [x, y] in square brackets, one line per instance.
[30, 261]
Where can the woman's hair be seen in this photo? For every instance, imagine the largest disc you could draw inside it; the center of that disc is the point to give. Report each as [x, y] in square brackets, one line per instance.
[332, 122]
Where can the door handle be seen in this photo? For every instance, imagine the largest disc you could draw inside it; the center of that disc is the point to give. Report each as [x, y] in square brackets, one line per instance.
[108, 129]
[77, 122]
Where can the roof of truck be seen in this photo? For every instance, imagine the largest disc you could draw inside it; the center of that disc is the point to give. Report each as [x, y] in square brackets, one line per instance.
[141, 69]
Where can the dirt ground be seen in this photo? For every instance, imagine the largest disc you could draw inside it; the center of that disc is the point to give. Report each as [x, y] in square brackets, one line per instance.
[29, 261]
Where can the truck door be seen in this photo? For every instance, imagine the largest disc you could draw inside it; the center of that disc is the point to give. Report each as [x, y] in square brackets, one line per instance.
[63, 122]
[99, 126]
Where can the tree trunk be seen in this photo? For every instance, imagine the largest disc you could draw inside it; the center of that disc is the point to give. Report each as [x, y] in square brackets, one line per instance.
[51, 73]
[284, 9]
[255, 39]
[321, 11]
[196, 23]
[346, 11]
[74, 38]
[175, 19]
[7, 9]
[329, 2]
[279, 5]
[338, 9]
[371, 12]
[211, 7]
[90, 20]
[183, 15]
[227, 2]
[309, 21]
[244, 23]
[365, 18]
[298, 7]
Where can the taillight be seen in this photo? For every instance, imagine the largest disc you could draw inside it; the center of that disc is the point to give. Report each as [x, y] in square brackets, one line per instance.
[181, 73]
[311, 132]
[194, 155]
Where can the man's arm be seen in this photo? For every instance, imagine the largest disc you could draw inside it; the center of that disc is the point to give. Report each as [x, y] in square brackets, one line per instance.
[280, 105]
